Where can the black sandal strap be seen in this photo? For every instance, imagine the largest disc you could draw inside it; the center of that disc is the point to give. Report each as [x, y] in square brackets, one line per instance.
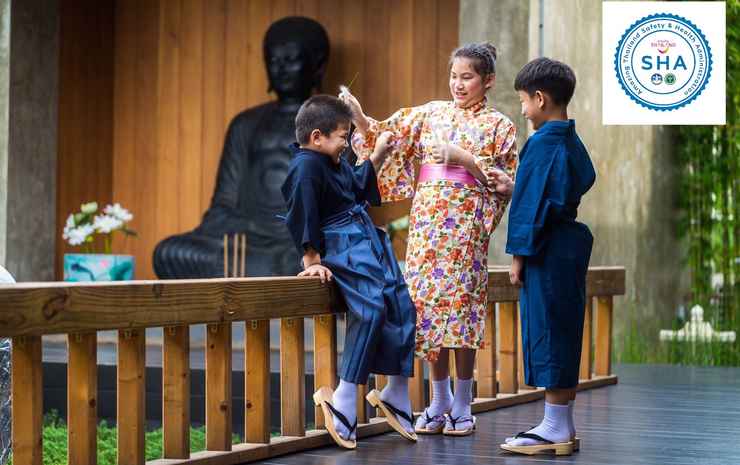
[536, 437]
[340, 416]
[398, 412]
[461, 417]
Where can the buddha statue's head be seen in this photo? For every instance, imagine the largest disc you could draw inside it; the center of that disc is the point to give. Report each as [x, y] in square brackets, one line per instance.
[296, 51]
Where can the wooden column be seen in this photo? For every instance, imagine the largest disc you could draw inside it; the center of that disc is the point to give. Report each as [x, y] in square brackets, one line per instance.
[218, 387]
[82, 393]
[362, 403]
[292, 377]
[508, 323]
[324, 357]
[520, 353]
[487, 357]
[27, 398]
[586, 355]
[176, 392]
[416, 386]
[257, 381]
[380, 382]
[603, 365]
[130, 400]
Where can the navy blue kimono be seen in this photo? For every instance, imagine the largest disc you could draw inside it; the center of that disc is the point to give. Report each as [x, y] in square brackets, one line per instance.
[554, 172]
[327, 211]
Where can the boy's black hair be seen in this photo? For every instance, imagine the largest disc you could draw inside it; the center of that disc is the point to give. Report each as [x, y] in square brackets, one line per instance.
[322, 112]
[551, 77]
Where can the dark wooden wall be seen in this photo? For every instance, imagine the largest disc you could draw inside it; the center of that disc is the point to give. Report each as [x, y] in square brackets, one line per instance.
[148, 87]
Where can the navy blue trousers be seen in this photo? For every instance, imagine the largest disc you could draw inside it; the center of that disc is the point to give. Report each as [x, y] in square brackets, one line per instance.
[553, 302]
[381, 318]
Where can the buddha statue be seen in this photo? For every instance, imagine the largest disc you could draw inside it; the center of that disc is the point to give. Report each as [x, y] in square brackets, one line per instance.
[253, 166]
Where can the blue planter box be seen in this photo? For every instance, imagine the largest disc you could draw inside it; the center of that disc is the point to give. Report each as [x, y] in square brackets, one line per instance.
[98, 267]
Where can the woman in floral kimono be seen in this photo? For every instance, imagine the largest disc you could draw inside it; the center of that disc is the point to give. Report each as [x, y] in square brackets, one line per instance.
[467, 153]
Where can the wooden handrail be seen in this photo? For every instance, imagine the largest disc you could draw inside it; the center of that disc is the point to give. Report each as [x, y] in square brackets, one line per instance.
[30, 310]
[54, 308]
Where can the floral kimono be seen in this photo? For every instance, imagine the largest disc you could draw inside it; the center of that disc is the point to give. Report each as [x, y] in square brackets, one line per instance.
[450, 222]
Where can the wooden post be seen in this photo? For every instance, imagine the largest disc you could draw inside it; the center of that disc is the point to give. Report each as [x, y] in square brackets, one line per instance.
[586, 355]
[130, 400]
[487, 357]
[82, 392]
[324, 357]
[226, 255]
[508, 354]
[235, 265]
[257, 381]
[380, 382]
[176, 392]
[520, 353]
[292, 377]
[218, 387]
[416, 386]
[244, 256]
[27, 395]
[362, 403]
[604, 307]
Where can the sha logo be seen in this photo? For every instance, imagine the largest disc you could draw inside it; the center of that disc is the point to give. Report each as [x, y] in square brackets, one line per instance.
[663, 62]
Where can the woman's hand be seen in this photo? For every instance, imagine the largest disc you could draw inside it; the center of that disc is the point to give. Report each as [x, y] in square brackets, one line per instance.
[382, 149]
[449, 154]
[502, 183]
[319, 270]
[358, 117]
[515, 272]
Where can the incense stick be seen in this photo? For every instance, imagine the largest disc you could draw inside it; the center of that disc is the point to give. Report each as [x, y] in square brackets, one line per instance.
[345, 89]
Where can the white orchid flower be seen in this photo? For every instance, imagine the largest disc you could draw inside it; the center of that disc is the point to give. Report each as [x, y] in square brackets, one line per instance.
[105, 224]
[117, 211]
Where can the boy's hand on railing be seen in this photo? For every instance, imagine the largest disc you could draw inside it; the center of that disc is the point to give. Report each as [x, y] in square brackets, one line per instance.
[515, 272]
[319, 270]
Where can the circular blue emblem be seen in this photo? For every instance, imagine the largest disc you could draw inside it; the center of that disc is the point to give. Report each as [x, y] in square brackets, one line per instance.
[663, 47]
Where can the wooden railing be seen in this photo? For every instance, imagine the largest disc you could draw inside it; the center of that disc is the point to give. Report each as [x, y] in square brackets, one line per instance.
[28, 311]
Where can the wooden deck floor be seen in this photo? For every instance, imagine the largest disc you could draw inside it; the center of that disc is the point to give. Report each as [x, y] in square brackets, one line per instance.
[655, 415]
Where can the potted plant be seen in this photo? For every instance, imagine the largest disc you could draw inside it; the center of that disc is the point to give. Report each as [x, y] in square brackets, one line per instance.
[82, 229]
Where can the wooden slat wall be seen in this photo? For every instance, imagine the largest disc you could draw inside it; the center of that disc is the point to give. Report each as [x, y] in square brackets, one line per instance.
[184, 68]
[85, 153]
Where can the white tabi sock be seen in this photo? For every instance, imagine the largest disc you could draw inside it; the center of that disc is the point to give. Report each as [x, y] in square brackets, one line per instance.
[345, 400]
[554, 427]
[441, 398]
[461, 403]
[396, 393]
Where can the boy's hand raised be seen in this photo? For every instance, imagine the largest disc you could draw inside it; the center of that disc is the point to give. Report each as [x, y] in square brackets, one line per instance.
[319, 270]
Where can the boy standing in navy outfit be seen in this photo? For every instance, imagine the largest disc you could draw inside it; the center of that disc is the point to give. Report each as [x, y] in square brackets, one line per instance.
[327, 218]
[551, 251]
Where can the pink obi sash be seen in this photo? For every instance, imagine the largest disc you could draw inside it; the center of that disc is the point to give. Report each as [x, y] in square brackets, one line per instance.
[454, 173]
